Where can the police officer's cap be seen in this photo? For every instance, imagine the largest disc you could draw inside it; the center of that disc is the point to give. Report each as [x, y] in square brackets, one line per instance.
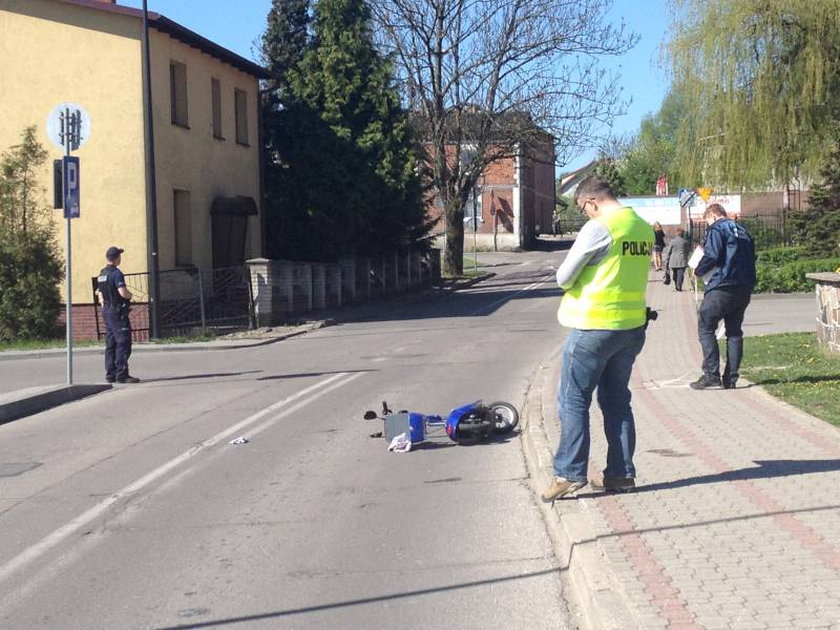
[113, 252]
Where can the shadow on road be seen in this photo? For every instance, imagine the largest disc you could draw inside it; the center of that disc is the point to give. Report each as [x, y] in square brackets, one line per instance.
[362, 601]
[195, 376]
[307, 374]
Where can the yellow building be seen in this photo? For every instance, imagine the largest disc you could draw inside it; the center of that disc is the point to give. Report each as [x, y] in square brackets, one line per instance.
[206, 132]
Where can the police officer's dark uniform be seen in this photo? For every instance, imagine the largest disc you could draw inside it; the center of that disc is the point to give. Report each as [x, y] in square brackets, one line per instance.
[115, 309]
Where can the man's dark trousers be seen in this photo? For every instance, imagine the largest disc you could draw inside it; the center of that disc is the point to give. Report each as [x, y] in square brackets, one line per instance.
[117, 344]
[726, 303]
[679, 275]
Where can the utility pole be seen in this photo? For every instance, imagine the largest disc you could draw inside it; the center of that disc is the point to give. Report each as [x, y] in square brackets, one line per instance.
[151, 185]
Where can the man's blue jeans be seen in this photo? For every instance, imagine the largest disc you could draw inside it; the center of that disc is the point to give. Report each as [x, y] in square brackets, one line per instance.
[602, 359]
[728, 304]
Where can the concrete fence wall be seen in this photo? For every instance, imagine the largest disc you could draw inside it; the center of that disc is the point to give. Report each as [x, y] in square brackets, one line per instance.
[283, 289]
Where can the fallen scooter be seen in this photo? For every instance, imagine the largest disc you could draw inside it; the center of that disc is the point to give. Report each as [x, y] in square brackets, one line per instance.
[472, 422]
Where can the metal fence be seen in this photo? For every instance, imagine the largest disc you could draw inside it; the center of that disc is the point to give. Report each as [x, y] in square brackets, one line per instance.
[192, 302]
[266, 292]
[770, 230]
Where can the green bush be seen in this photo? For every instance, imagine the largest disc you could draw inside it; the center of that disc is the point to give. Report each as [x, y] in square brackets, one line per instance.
[30, 269]
[790, 277]
[781, 255]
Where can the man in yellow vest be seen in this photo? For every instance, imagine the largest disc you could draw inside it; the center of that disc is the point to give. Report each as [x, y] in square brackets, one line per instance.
[604, 277]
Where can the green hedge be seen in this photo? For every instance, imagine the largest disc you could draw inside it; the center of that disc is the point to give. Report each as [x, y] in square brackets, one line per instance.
[781, 255]
[30, 270]
[789, 277]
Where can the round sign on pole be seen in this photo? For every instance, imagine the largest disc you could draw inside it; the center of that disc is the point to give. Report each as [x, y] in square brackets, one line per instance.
[61, 129]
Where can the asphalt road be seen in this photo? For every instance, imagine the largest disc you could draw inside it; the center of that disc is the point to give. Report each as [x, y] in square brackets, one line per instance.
[131, 509]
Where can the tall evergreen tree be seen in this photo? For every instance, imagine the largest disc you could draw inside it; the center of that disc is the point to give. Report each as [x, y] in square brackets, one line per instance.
[367, 195]
[341, 161]
[818, 229]
[284, 43]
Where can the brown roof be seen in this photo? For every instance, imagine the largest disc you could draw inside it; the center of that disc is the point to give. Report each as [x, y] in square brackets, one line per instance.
[181, 33]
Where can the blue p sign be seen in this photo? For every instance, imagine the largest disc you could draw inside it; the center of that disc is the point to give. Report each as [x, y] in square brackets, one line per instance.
[70, 177]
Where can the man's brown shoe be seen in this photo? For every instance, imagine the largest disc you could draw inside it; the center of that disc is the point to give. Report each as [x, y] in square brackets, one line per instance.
[560, 487]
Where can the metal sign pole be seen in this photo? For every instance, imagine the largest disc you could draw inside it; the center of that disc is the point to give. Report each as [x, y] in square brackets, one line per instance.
[69, 130]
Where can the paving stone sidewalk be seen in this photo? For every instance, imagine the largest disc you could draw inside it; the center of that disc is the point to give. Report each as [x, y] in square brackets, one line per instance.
[736, 521]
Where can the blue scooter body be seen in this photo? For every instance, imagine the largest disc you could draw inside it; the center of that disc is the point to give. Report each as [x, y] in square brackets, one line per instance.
[454, 419]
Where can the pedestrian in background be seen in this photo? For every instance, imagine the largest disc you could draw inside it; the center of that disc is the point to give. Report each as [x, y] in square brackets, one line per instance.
[658, 245]
[116, 304]
[729, 255]
[604, 277]
[675, 258]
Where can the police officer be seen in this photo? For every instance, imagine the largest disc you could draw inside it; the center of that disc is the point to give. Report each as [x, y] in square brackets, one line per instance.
[115, 298]
[604, 277]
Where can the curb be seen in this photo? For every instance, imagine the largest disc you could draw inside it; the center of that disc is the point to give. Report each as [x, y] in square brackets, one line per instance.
[27, 404]
[595, 588]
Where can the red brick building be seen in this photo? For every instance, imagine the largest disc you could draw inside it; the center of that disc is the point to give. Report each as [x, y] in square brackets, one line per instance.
[515, 199]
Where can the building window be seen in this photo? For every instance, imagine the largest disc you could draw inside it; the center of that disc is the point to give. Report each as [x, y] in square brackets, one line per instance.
[178, 93]
[240, 102]
[216, 97]
[183, 228]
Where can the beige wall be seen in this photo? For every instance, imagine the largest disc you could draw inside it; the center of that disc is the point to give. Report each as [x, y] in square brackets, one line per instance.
[52, 52]
[191, 158]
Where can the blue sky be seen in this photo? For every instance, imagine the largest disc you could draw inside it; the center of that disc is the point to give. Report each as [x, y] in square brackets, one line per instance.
[238, 24]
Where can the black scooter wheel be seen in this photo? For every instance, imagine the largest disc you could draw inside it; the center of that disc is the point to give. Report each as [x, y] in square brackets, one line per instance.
[505, 416]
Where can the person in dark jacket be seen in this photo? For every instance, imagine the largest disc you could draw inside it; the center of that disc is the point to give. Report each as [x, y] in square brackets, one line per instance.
[676, 257]
[729, 258]
[115, 298]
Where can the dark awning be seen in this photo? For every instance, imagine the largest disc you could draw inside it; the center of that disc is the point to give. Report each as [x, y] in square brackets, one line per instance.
[238, 206]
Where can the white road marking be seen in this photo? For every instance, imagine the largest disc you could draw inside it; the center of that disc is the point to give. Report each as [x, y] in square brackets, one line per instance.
[38, 549]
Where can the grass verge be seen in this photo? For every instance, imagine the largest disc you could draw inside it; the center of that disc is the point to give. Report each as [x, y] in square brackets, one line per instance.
[43, 344]
[57, 344]
[794, 368]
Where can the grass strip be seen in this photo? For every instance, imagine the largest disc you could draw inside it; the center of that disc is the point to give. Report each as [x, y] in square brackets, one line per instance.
[794, 368]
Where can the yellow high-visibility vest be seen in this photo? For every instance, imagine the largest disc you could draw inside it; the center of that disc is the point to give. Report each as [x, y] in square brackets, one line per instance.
[611, 294]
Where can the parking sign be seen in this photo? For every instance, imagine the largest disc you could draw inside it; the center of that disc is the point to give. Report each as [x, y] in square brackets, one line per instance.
[70, 180]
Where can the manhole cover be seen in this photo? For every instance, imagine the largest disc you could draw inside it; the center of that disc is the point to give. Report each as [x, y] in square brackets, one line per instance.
[14, 469]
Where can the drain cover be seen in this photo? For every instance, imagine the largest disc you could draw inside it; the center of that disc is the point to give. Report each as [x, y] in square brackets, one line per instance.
[14, 469]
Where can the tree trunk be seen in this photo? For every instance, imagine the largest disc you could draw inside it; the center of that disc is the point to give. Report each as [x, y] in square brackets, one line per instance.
[453, 256]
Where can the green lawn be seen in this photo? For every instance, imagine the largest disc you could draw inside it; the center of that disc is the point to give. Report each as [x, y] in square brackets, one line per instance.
[793, 367]
[42, 344]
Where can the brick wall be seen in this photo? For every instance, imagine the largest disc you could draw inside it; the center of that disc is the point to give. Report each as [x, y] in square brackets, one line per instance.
[84, 322]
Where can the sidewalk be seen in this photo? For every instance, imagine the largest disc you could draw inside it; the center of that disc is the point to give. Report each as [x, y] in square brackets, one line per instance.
[736, 520]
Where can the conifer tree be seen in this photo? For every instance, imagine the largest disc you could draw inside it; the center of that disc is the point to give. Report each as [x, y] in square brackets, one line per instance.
[343, 142]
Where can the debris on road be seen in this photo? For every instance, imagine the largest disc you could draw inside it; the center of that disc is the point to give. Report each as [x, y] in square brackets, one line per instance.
[400, 444]
[239, 440]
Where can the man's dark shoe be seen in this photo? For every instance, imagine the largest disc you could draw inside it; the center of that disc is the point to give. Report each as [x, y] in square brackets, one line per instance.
[705, 381]
[729, 383]
[128, 379]
[110, 379]
[619, 484]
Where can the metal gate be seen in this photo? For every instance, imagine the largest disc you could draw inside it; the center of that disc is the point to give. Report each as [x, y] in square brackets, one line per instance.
[192, 303]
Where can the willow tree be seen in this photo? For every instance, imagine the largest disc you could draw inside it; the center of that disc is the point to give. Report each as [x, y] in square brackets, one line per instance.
[487, 77]
[761, 83]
